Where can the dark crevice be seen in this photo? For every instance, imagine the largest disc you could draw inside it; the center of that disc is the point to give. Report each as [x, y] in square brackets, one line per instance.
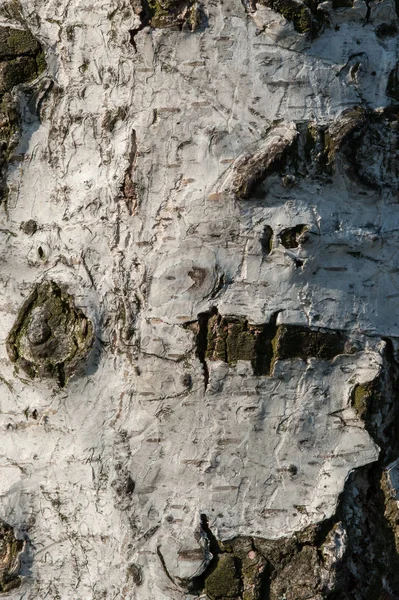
[218, 287]
[202, 342]
[162, 561]
[213, 543]
[61, 375]
[128, 190]
[145, 16]
[264, 591]
[197, 584]
[266, 240]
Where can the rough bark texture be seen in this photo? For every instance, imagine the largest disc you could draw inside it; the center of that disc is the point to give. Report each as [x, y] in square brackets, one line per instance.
[199, 365]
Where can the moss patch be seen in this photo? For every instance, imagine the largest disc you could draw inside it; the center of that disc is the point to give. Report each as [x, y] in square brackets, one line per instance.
[296, 12]
[50, 336]
[303, 15]
[167, 14]
[174, 13]
[292, 341]
[223, 583]
[230, 339]
[17, 42]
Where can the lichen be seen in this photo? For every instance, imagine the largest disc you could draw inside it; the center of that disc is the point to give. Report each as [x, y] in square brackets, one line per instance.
[50, 336]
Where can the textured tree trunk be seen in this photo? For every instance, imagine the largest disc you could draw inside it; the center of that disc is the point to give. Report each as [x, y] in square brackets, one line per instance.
[199, 363]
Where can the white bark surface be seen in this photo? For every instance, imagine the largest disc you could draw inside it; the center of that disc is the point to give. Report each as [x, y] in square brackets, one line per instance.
[187, 107]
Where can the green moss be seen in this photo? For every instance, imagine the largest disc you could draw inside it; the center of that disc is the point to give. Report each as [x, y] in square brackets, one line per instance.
[223, 583]
[293, 341]
[240, 342]
[11, 10]
[298, 13]
[159, 14]
[17, 42]
[20, 70]
[172, 13]
[230, 339]
[21, 42]
[391, 512]
[366, 400]
[41, 64]
[361, 396]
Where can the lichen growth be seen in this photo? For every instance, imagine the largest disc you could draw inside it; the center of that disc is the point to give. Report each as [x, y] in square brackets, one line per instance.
[50, 336]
